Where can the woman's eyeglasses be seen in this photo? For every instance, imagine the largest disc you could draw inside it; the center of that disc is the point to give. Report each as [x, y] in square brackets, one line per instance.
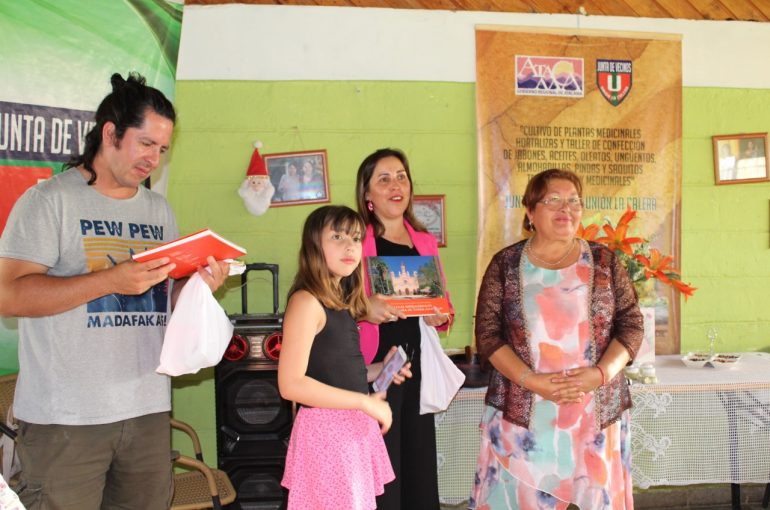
[555, 202]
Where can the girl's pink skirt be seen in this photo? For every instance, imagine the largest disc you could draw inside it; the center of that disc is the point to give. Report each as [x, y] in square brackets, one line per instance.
[336, 459]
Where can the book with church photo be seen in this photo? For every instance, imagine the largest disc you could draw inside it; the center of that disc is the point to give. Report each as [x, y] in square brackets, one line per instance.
[411, 284]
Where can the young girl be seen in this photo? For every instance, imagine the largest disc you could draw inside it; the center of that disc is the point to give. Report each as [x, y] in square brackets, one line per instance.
[336, 457]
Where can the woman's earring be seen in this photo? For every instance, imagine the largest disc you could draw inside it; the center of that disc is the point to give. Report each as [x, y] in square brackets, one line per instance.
[369, 205]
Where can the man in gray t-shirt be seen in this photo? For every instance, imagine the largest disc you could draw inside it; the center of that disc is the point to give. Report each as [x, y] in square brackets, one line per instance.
[93, 413]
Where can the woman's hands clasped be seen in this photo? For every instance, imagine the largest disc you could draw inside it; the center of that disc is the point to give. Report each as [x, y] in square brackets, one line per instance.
[567, 387]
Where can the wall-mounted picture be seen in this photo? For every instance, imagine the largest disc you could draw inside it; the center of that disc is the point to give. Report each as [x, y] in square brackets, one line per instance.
[430, 210]
[298, 177]
[740, 158]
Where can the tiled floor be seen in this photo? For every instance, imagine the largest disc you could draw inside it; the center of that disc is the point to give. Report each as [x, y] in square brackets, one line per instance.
[694, 497]
[711, 497]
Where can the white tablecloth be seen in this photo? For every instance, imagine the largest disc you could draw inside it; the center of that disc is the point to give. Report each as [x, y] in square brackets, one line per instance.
[702, 425]
[697, 425]
[457, 444]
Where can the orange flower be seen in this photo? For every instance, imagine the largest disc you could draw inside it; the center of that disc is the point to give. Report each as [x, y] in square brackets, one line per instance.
[640, 260]
[656, 265]
[616, 237]
[588, 233]
[685, 289]
[659, 266]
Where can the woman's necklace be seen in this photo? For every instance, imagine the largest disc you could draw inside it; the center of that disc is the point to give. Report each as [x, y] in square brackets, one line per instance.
[562, 259]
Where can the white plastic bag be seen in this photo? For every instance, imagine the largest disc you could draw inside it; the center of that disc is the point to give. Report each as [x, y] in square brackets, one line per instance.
[441, 379]
[198, 331]
[8, 499]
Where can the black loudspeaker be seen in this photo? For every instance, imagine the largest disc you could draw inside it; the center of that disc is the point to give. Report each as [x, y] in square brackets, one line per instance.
[253, 421]
[257, 483]
[252, 418]
[253, 429]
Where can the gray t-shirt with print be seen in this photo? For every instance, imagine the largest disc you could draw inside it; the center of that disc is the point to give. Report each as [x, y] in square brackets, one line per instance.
[94, 363]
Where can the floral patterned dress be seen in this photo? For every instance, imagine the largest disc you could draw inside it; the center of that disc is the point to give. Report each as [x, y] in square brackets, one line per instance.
[563, 457]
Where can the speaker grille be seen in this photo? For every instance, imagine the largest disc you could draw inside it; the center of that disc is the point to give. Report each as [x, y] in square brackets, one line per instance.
[257, 483]
[253, 429]
[257, 402]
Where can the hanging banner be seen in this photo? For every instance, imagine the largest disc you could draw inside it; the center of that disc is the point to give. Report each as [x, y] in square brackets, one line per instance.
[57, 59]
[606, 105]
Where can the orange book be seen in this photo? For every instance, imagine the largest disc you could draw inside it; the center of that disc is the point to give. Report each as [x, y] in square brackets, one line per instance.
[411, 284]
[190, 252]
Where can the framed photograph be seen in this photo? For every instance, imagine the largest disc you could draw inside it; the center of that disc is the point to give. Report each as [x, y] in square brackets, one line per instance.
[430, 210]
[740, 158]
[298, 177]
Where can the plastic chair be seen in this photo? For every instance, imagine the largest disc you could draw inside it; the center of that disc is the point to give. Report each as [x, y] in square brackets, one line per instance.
[203, 487]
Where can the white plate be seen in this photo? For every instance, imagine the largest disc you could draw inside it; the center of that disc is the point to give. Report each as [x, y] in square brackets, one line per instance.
[695, 360]
[726, 360]
[728, 356]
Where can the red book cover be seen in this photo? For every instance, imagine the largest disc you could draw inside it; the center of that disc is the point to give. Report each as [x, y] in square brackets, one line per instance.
[412, 284]
[190, 252]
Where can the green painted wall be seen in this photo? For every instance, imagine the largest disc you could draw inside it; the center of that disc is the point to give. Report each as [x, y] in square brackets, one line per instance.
[725, 229]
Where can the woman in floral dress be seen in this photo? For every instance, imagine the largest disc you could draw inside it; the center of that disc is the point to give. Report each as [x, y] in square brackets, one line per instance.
[558, 319]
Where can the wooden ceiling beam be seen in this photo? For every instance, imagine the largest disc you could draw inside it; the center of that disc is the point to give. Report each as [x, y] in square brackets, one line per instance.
[606, 8]
[550, 6]
[713, 9]
[647, 8]
[681, 9]
[744, 11]
[762, 6]
[477, 5]
[366, 3]
[512, 6]
[722, 10]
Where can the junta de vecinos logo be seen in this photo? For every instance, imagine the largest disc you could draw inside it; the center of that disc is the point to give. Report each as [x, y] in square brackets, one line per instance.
[613, 77]
[549, 76]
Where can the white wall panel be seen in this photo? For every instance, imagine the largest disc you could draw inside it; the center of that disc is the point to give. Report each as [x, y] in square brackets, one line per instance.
[270, 42]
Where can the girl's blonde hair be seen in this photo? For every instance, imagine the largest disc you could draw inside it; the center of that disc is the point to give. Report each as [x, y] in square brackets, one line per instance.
[313, 274]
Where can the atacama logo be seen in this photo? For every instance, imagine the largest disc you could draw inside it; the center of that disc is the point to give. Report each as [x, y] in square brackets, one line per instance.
[613, 77]
[549, 76]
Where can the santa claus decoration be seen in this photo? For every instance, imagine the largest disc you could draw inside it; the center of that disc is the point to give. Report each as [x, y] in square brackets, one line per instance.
[256, 190]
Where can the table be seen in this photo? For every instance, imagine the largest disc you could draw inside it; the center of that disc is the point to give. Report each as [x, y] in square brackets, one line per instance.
[457, 445]
[703, 425]
[697, 425]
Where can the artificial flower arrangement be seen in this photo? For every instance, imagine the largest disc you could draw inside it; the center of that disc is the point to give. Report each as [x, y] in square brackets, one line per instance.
[642, 262]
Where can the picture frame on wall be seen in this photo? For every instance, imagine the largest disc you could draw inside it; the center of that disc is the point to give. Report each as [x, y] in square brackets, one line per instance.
[298, 177]
[431, 211]
[740, 158]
